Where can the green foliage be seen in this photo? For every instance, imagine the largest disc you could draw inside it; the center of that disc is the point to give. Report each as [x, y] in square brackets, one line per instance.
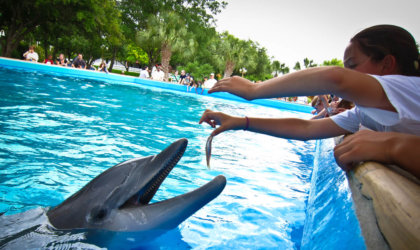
[306, 63]
[135, 53]
[231, 53]
[279, 68]
[260, 66]
[197, 70]
[170, 32]
[41, 53]
[333, 62]
[309, 63]
[60, 24]
[297, 66]
[127, 73]
[276, 66]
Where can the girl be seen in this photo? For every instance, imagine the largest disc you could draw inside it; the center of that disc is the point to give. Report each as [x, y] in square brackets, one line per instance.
[380, 77]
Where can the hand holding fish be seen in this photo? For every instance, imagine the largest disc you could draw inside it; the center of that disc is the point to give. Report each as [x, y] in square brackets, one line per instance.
[225, 122]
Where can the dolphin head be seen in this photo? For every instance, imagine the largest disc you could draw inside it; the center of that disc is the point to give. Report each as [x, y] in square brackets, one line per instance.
[118, 199]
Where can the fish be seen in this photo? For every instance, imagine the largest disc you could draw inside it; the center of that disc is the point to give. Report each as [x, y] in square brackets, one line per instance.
[208, 150]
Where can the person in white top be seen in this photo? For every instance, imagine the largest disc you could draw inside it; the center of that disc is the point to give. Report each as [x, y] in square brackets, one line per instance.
[31, 55]
[210, 82]
[144, 73]
[158, 74]
[381, 76]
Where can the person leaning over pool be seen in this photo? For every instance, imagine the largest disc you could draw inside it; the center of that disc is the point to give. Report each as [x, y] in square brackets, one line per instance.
[61, 60]
[381, 77]
[102, 67]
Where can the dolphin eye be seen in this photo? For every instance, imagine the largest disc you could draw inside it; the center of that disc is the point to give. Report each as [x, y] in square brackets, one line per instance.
[98, 214]
[101, 214]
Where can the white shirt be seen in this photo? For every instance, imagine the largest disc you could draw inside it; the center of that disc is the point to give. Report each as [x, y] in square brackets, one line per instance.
[32, 56]
[158, 75]
[144, 74]
[210, 83]
[403, 92]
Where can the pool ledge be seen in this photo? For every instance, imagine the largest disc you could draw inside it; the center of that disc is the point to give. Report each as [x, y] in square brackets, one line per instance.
[387, 201]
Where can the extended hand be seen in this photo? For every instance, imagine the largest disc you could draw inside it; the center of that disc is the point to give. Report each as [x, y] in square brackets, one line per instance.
[235, 85]
[225, 121]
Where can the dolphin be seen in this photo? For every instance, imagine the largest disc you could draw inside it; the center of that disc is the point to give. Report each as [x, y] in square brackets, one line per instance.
[118, 199]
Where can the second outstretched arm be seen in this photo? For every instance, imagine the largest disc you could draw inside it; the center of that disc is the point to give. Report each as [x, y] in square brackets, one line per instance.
[290, 128]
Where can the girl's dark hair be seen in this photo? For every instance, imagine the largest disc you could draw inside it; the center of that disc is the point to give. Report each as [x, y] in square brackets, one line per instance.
[381, 40]
[345, 104]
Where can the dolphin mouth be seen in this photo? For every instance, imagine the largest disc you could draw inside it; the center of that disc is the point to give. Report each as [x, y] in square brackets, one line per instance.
[144, 195]
[181, 206]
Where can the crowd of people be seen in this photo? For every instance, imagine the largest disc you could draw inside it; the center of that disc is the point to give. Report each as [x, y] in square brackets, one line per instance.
[183, 79]
[329, 105]
[156, 73]
[77, 62]
[381, 76]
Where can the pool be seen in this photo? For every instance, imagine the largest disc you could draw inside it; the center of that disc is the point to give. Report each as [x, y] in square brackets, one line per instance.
[57, 132]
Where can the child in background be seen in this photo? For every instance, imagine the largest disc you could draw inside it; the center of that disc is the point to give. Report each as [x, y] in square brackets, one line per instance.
[49, 60]
[31, 55]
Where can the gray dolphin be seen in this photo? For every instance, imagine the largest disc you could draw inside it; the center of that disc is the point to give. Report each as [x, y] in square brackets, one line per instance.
[118, 199]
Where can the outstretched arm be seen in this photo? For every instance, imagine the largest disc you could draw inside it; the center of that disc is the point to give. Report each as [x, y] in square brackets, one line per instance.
[385, 147]
[351, 85]
[290, 128]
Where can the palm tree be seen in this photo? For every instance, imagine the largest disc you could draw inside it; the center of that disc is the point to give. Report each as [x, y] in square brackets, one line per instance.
[276, 67]
[167, 32]
[297, 66]
[309, 63]
[284, 69]
[232, 53]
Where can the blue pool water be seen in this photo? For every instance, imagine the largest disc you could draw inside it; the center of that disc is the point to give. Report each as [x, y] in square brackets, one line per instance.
[58, 132]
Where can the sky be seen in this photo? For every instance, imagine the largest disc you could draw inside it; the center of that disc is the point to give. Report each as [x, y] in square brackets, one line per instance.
[320, 30]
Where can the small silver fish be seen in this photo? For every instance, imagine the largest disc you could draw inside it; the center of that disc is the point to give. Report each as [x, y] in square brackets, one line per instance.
[208, 150]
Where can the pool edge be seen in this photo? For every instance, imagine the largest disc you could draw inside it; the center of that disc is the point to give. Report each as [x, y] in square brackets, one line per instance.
[15, 63]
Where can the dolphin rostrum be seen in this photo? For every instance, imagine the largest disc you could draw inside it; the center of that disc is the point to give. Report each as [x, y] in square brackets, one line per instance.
[118, 199]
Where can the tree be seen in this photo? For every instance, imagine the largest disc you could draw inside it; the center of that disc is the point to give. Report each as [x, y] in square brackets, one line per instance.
[280, 67]
[137, 12]
[333, 62]
[231, 53]
[258, 63]
[197, 16]
[297, 66]
[17, 19]
[276, 67]
[167, 31]
[49, 21]
[309, 63]
[284, 69]
[136, 54]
